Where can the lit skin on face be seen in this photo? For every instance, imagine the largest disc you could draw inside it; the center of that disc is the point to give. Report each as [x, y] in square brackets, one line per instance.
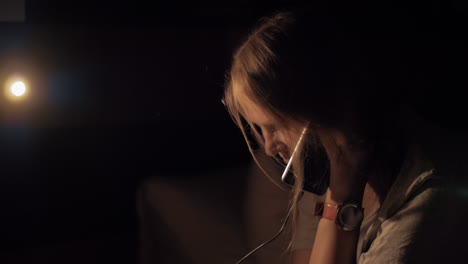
[274, 133]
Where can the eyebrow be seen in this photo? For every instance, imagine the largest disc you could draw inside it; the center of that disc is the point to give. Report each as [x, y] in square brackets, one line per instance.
[270, 126]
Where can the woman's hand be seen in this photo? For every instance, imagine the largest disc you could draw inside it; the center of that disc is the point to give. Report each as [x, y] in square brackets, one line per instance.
[350, 162]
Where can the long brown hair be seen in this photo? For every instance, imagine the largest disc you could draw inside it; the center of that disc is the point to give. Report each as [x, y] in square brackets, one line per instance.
[300, 67]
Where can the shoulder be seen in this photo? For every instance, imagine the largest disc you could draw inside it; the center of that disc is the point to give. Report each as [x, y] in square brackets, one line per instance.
[423, 218]
[392, 235]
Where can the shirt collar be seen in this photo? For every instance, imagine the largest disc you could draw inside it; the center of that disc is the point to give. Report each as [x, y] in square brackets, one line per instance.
[415, 171]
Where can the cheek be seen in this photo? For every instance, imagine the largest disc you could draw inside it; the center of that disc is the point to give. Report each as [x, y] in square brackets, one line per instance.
[291, 140]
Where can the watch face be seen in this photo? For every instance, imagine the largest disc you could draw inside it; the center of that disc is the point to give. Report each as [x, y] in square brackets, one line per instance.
[350, 216]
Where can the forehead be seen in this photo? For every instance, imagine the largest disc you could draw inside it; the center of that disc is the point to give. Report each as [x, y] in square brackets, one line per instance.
[256, 114]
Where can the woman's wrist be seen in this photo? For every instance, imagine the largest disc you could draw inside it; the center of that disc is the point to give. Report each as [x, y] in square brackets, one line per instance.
[338, 197]
[347, 215]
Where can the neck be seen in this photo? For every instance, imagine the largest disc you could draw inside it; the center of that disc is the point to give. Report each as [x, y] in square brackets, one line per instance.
[388, 163]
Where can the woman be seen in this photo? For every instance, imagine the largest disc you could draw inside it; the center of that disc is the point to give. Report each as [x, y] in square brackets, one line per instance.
[336, 82]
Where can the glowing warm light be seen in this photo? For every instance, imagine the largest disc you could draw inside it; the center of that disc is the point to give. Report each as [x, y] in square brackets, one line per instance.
[18, 88]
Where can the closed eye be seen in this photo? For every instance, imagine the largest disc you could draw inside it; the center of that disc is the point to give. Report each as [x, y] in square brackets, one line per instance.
[270, 128]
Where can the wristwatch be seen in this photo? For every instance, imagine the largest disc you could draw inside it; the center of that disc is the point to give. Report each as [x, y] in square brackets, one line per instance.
[347, 216]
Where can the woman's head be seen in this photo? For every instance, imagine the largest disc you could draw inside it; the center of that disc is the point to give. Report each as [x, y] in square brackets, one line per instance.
[298, 68]
[250, 90]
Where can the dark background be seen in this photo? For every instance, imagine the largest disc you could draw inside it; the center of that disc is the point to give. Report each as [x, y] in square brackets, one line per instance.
[124, 91]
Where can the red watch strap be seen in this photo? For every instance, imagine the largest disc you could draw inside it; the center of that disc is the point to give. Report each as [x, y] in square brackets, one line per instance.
[330, 211]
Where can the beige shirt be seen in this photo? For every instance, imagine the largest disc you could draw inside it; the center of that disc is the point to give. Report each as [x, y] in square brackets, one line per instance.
[387, 233]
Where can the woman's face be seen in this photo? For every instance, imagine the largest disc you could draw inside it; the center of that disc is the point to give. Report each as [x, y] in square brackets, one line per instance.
[279, 138]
